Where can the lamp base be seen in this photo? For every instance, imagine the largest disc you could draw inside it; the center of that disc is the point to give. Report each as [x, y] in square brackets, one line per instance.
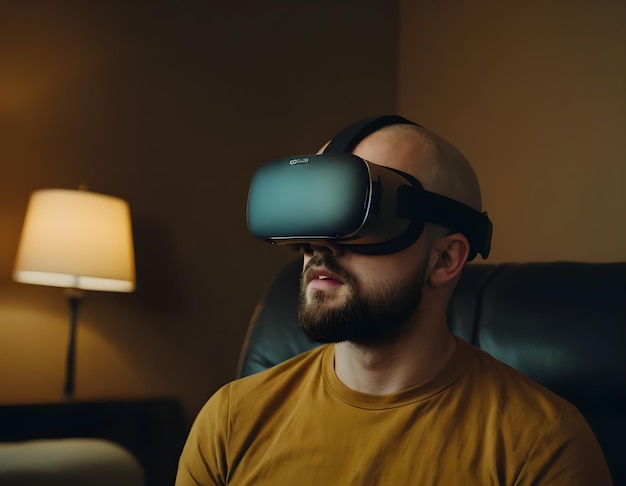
[75, 297]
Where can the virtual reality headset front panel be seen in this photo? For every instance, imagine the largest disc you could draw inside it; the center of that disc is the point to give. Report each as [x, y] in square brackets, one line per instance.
[338, 197]
[347, 200]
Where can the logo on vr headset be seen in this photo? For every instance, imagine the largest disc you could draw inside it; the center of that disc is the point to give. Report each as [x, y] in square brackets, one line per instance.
[302, 160]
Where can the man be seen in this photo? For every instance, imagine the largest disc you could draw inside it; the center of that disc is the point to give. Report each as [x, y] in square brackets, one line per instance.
[392, 398]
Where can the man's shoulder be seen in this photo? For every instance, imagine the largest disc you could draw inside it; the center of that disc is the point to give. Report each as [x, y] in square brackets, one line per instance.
[549, 436]
[501, 381]
[287, 374]
[261, 390]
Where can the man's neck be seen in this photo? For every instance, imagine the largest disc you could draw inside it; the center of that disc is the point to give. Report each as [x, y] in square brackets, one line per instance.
[384, 369]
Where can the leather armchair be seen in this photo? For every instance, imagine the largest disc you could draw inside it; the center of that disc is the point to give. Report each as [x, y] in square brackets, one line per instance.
[562, 323]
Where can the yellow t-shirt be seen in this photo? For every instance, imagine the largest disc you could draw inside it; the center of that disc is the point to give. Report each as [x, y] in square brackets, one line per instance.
[478, 422]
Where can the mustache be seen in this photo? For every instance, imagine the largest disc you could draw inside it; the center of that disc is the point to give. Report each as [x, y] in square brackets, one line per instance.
[330, 264]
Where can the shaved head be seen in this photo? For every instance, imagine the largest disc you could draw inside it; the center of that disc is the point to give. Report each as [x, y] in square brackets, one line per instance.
[436, 163]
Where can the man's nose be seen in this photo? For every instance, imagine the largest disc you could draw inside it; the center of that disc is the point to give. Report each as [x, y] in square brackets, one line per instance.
[324, 248]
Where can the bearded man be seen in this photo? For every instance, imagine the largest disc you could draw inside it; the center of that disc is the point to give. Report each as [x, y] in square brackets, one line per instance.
[391, 397]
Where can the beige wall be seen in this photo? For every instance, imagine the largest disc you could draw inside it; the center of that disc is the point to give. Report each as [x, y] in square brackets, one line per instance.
[170, 105]
[534, 93]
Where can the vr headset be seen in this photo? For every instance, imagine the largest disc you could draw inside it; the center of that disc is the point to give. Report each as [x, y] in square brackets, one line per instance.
[345, 200]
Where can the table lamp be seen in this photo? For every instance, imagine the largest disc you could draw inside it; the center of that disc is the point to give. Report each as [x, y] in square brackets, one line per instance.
[79, 240]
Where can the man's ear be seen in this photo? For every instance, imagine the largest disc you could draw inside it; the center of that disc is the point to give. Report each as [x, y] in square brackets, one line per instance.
[452, 252]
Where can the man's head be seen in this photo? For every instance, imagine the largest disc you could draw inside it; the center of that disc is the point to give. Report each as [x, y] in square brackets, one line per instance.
[366, 298]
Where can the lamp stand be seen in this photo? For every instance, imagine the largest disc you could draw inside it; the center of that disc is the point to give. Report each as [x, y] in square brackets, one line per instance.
[75, 297]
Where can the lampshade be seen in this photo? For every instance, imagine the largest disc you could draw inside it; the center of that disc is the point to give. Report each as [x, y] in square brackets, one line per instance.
[76, 239]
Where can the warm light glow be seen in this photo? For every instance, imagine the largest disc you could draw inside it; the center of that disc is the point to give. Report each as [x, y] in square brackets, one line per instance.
[76, 239]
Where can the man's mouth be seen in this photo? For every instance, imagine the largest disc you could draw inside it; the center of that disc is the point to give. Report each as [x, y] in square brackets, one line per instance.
[322, 279]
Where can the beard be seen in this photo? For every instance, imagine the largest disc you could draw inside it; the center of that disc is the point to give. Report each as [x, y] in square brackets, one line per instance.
[378, 316]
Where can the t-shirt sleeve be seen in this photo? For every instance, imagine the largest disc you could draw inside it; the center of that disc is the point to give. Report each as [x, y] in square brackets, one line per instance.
[204, 460]
[566, 453]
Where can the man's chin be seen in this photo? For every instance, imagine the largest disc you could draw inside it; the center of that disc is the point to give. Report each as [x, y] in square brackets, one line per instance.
[320, 319]
[326, 299]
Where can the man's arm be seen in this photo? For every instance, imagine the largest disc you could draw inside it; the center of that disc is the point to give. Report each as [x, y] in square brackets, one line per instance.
[203, 460]
[566, 453]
